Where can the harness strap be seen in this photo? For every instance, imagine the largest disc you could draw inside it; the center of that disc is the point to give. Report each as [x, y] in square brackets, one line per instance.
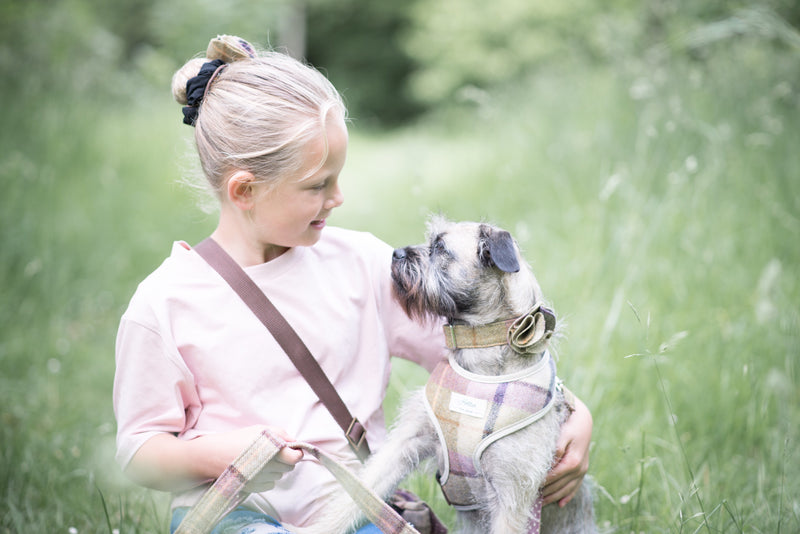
[227, 492]
[470, 411]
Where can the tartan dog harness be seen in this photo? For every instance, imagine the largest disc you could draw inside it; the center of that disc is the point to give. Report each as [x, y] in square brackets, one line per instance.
[471, 411]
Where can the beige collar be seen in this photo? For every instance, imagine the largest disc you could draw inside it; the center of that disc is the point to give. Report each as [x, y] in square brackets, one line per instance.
[527, 334]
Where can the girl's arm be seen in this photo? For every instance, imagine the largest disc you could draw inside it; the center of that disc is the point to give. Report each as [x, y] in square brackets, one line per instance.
[167, 463]
[572, 457]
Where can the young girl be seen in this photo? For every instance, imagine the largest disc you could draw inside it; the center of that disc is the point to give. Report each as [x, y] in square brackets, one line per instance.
[198, 376]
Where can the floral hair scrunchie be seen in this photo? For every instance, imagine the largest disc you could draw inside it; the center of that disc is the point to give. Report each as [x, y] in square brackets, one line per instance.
[222, 49]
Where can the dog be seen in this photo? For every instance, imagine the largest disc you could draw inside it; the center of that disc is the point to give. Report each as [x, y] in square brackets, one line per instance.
[499, 331]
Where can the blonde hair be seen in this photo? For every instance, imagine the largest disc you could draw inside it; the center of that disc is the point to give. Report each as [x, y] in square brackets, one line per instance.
[257, 113]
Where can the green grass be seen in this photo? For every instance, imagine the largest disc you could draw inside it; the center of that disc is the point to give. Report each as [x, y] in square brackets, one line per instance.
[658, 202]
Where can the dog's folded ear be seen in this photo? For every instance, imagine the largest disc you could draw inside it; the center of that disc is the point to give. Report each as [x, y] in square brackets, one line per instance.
[497, 248]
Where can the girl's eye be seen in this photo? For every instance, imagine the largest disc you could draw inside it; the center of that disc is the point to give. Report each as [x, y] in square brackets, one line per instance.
[319, 187]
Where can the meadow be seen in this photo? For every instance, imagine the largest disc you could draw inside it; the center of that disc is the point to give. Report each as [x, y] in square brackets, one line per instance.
[657, 199]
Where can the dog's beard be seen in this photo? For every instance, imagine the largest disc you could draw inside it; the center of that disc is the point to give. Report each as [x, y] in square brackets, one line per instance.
[420, 290]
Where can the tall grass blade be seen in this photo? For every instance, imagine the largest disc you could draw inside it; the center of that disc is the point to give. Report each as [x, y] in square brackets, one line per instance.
[783, 484]
[640, 489]
[687, 464]
[105, 509]
[733, 517]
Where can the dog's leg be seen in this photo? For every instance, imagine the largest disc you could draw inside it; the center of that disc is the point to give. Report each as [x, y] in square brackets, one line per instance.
[512, 518]
[472, 522]
[512, 497]
[410, 441]
[513, 480]
[577, 517]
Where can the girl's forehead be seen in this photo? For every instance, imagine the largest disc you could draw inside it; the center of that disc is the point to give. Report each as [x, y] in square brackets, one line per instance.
[326, 148]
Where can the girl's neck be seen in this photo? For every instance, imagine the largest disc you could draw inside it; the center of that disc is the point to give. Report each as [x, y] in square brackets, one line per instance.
[243, 248]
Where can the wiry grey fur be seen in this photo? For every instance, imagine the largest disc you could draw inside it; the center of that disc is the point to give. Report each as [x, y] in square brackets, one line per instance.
[470, 273]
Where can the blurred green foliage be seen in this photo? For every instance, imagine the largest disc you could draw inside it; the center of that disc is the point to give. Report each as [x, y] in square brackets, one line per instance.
[392, 60]
[460, 44]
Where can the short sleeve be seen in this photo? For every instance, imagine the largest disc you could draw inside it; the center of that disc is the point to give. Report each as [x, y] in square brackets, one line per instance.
[153, 391]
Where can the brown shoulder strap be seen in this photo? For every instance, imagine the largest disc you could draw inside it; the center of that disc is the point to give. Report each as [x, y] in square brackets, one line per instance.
[289, 341]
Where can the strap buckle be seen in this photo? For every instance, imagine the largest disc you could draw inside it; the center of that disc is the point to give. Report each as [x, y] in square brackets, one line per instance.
[357, 439]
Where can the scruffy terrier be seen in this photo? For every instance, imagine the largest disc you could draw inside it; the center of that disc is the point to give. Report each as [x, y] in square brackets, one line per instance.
[491, 414]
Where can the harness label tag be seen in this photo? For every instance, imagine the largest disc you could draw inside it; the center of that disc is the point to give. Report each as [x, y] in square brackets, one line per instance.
[467, 405]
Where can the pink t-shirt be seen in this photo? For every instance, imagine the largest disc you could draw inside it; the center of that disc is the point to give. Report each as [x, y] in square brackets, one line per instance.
[192, 359]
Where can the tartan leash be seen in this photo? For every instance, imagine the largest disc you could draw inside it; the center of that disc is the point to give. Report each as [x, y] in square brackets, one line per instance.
[227, 492]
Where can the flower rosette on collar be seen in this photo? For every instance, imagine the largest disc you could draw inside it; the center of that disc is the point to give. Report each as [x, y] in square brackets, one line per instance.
[530, 333]
[222, 49]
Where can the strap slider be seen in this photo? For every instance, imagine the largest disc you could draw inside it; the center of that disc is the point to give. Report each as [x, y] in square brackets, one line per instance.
[357, 438]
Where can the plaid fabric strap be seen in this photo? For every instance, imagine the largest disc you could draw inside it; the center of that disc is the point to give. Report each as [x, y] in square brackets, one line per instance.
[228, 491]
[378, 512]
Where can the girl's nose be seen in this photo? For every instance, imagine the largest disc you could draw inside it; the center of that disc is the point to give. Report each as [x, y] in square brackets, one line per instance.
[336, 199]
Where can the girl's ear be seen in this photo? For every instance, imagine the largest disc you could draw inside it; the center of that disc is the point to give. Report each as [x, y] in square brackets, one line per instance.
[241, 190]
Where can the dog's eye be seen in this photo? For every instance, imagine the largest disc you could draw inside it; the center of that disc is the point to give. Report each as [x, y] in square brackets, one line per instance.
[437, 246]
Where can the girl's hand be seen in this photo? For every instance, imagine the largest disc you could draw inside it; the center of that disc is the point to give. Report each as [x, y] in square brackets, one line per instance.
[231, 444]
[572, 457]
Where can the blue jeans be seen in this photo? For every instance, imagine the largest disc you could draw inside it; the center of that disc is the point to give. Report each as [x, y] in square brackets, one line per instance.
[244, 521]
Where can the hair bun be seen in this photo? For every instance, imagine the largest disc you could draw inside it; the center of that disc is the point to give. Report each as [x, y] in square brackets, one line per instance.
[179, 79]
[229, 48]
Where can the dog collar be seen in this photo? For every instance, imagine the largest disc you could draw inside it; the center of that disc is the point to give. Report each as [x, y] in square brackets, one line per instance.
[527, 334]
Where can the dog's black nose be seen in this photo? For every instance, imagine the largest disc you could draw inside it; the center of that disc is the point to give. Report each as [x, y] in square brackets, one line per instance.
[399, 254]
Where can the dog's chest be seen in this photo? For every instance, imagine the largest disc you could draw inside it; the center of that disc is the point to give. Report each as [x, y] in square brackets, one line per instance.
[470, 412]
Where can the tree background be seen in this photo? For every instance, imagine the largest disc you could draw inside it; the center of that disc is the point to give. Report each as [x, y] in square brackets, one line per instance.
[392, 60]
